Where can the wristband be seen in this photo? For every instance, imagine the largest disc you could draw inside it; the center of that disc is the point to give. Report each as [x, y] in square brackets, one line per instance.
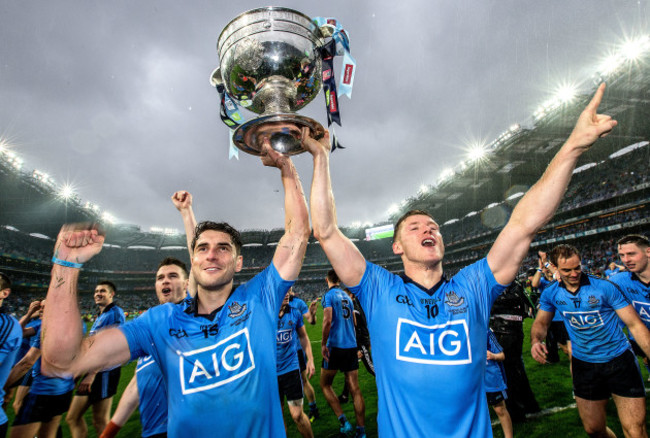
[547, 264]
[539, 270]
[66, 263]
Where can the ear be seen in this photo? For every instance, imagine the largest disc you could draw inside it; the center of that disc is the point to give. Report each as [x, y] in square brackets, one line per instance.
[397, 248]
[4, 293]
[239, 263]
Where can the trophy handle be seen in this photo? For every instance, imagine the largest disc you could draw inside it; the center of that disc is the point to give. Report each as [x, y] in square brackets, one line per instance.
[216, 78]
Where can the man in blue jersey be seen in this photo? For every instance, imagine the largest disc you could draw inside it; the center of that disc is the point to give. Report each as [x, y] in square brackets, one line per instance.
[339, 349]
[97, 389]
[11, 334]
[613, 269]
[634, 251]
[429, 334]
[309, 315]
[217, 355]
[557, 334]
[495, 383]
[48, 398]
[603, 363]
[291, 329]
[147, 387]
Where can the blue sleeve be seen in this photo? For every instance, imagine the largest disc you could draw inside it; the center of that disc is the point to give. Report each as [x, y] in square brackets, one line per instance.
[35, 341]
[299, 321]
[138, 333]
[546, 301]
[376, 282]
[615, 297]
[493, 344]
[479, 279]
[272, 288]
[301, 306]
[10, 337]
[326, 301]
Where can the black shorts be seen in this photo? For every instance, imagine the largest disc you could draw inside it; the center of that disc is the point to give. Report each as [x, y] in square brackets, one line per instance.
[494, 398]
[290, 386]
[301, 360]
[41, 408]
[343, 359]
[104, 385]
[597, 381]
[637, 350]
[558, 329]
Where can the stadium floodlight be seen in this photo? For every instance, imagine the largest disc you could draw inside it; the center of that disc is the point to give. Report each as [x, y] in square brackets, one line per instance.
[447, 173]
[424, 189]
[476, 152]
[66, 192]
[633, 49]
[170, 231]
[566, 93]
[157, 230]
[394, 208]
[356, 224]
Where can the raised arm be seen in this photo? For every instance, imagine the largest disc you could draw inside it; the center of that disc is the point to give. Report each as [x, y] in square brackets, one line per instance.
[310, 316]
[64, 351]
[34, 307]
[345, 257]
[183, 202]
[539, 204]
[291, 249]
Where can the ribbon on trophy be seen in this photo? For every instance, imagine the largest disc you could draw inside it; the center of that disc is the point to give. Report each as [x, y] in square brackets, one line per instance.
[337, 46]
[231, 116]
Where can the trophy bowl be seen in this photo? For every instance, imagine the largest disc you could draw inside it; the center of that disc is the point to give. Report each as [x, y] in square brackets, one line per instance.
[270, 63]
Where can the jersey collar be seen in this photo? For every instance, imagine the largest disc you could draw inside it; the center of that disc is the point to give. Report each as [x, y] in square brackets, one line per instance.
[584, 281]
[635, 277]
[193, 309]
[107, 308]
[429, 292]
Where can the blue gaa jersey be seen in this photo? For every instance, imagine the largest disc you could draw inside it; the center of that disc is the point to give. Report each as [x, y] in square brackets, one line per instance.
[543, 284]
[220, 370]
[112, 315]
[11, 335]
[302, 308]
[153, 396]
[286, 339]
[342, 334]
[429, 349]
[637, 292]
[495, 374]
[45, 385]
[590, 315]
[25, 345]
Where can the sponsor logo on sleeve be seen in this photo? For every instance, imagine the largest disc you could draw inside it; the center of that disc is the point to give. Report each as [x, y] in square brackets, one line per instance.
[144, 362]
[216, 365]
[441, 344]
[584, 320]
[643, 309]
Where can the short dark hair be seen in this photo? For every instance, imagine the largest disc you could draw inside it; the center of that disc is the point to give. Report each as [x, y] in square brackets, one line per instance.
[332, 277]
[224, 227]
[407, 215]
[5, 282]
[167, 261]
[638, 239]
[109, 284]
[563, 251]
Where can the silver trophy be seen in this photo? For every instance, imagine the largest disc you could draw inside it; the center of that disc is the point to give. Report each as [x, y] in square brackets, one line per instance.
[270, 63]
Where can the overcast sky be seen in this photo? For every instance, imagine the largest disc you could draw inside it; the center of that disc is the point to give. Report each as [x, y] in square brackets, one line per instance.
[114, 97]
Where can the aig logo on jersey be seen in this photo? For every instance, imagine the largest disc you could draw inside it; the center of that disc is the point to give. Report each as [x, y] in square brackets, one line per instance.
[643, 309]
[584, 320]
[442, 344]
[284, 336]
[216, 365]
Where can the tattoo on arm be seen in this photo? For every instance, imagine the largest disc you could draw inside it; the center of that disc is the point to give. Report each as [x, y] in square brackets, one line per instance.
[60, 281]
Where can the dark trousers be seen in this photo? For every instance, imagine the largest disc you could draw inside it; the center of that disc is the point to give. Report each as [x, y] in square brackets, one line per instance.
[521, 400]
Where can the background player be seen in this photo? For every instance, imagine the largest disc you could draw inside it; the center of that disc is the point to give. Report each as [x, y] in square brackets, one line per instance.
[602, 363]
[97, 389]
[290, 329]
[11, 334]
[449, 381]
[147, 389]
[495, 383]
[339, 349]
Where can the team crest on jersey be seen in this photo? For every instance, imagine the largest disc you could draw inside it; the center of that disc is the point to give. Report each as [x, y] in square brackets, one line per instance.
[643, 309]
[593, 301]
[441, 344]
[236, 309]
[584, 320]
[454, 300]
[217, 364]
